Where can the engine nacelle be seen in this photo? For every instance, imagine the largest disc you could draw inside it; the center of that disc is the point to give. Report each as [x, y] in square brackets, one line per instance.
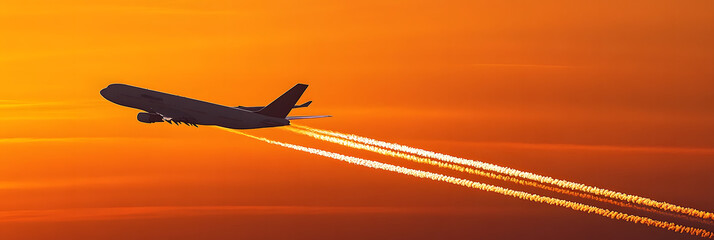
[149, 117]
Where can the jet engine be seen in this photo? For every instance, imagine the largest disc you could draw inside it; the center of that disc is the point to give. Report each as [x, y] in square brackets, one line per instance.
[149, 117]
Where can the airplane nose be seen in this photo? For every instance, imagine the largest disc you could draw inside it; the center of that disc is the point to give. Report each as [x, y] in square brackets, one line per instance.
[105, 93]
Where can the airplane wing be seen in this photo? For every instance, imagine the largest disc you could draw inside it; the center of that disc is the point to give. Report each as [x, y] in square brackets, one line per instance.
[173, 115]
[306, 117]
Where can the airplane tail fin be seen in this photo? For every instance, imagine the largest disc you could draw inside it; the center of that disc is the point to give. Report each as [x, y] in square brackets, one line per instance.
[281, 106]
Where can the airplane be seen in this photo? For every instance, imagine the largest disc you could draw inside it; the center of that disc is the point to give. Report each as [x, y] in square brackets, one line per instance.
[163, 107]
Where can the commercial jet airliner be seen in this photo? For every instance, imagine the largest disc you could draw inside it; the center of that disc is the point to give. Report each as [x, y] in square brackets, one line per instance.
[164, 107]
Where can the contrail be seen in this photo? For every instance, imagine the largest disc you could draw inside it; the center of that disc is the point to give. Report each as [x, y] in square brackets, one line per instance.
[490, 188]
[527, 175]
[386, 152]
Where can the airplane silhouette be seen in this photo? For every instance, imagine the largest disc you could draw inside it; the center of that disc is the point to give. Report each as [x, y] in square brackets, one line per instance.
[164, 107]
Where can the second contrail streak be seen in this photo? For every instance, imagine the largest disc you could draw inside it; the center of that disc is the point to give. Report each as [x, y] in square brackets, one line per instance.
[490, 188]
[527, 175]
[455, 167]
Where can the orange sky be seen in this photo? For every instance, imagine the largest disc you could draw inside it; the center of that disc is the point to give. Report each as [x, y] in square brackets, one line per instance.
[610, 93]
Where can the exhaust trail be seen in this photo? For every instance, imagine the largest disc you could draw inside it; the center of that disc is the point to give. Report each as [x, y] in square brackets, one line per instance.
[522, 174]
[386, 152]
[490, 188]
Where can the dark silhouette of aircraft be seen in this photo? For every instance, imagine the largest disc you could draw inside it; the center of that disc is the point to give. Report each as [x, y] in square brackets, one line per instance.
[164, 107]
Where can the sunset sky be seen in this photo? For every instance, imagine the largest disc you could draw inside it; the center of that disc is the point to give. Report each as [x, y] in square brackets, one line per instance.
[615, 94]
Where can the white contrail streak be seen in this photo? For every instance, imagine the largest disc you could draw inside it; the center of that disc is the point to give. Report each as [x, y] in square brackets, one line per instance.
[488, 174]
[490, 188]
[527, 175]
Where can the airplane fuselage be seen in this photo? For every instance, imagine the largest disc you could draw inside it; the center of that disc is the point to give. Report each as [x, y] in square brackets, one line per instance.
[187, 110]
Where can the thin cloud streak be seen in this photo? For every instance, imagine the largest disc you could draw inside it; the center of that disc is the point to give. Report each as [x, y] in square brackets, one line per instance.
[75, 182]
[519, 65]
[20, 110]
[111, 9]
[67, 139]
[18, 104]
[118, 213]
[584, 147]
[23, 105]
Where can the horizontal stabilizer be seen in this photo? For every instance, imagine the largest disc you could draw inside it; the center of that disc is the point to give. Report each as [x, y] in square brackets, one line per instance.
[306, 117]
[303, 105]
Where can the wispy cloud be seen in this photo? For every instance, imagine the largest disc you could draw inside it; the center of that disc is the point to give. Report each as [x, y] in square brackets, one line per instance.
[61, 139]
[510, 65]
[26, 104]
[118, 213]
[75, 182]
[48, 109]
[13, 104]
[110, 9]
[584, 147]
